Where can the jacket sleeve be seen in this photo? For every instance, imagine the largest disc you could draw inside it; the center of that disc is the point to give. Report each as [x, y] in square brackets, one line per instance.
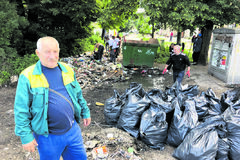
[22, 111]
[85, 112]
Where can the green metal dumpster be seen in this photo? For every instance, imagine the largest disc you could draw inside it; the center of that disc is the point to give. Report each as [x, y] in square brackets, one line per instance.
[139, 53]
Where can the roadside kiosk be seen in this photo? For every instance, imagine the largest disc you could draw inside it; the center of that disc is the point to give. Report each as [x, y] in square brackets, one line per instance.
[225, 55]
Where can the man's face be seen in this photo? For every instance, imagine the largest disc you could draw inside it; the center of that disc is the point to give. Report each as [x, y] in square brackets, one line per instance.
[176, 49]
[48, 52]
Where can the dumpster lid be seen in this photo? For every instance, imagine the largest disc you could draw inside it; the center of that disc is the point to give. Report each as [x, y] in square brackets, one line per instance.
[151, 41]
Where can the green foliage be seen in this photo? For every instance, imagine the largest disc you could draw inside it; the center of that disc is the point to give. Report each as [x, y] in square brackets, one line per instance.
[15, 65]
[4, 77]
[114, 14]
[65, 20]
[10, 22]
[142, 24]
[20, 63]
[87, 44]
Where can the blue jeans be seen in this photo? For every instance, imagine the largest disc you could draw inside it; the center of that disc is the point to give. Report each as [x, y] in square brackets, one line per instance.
[69, 145]
[178, 75]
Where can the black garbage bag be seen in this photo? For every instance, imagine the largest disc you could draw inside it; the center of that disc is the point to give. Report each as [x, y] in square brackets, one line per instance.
[155, 94]
[153, 127]
[157, 97]
[201, 143]
[112, 109]
[229, 98]
[177, 88]
[132, 111]
[207, 105]
[223, 149]
[135, 88]
[232, 118]
[214, 103]
[190, 91]
[201, 104]
[173, 91]
[185, 118]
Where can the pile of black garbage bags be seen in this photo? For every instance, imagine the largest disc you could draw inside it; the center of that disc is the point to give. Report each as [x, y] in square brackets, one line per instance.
[200, 126]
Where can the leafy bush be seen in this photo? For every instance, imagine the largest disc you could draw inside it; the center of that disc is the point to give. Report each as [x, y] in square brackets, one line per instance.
[163, 52]
[15, 65]
[21, 63]
[4, 77]
[87, 44]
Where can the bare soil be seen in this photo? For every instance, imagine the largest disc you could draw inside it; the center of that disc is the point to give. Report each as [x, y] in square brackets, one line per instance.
[97, 132]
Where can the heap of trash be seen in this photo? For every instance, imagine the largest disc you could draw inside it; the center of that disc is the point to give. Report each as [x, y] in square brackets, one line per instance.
[92, 73]
[199, 126]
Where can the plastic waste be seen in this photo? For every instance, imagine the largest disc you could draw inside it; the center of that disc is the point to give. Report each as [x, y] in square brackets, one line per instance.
[185, 118]
[229, 98]
[201, 142]
[99, 104]
[130, 117]
[232, 118]
[112, 108]
[153, 127]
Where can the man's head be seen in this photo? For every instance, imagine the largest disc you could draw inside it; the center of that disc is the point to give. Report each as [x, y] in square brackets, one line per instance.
[48, 51]
[177, 49]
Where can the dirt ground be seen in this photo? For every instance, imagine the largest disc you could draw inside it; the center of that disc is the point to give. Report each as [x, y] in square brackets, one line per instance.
[99, 133]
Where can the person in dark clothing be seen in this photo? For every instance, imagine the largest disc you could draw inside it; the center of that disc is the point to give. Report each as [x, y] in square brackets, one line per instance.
[197, 45]
[98, 54]
[171, 51]
[171, 48]
[179, 62]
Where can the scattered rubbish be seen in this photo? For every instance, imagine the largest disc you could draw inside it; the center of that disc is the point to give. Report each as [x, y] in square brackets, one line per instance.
[99, 104]
[100, 152]
[91, 144]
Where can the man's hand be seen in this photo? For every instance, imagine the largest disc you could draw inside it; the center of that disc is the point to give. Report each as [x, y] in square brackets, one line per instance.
[164, 71]
[188, 73]
[30, 147]
[86, 122]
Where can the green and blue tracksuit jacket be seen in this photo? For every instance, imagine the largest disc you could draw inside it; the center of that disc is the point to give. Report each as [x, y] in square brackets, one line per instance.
[31, 101]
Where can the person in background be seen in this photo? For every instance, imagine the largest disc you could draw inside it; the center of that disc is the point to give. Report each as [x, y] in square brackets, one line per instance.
[171, 51]
[183, 46]
[106, 39]
[119, 44]
[98, 54]
[171, 48]
[116, 46]
[179, 62]
[171, 36]
[197, 46]
[49, 105]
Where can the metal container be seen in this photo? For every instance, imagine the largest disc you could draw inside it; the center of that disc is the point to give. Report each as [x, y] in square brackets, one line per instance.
[225, 55]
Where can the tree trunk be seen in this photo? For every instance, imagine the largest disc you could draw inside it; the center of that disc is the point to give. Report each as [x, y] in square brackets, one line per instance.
[206, 38]
[179, 37]
[153, 30]
[103, 33]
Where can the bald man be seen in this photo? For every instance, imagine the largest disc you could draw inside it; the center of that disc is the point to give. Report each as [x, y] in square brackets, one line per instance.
[179, 61]
[49, 105]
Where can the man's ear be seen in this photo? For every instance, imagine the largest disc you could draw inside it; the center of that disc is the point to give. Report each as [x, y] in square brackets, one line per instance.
[37, 52]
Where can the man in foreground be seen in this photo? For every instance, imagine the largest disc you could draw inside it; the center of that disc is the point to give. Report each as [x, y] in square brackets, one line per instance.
[179, 61]
[48, 105]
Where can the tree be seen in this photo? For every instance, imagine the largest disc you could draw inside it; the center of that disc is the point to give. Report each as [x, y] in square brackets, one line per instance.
[190, 14]
[65, 20]
[9, 29]
[218, 13]
[114, 14]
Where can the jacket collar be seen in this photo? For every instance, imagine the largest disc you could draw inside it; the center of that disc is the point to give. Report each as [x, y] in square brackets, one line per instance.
[38, 69]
